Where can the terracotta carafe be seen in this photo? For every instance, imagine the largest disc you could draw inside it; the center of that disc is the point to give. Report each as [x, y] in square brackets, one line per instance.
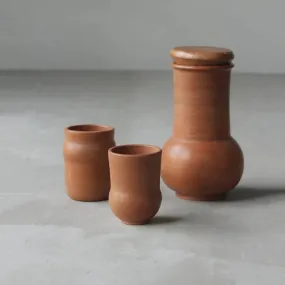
[87, 175]
[135, 195]
[201, 161]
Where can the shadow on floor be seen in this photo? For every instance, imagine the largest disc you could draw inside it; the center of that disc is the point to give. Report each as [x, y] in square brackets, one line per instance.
[255, 193]
[159, 220]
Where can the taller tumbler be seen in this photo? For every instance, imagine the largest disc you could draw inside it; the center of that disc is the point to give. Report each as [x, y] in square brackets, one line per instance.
[85, 150]
[201, 161]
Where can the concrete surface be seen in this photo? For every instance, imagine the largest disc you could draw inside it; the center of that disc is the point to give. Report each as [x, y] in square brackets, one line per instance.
[45, 238]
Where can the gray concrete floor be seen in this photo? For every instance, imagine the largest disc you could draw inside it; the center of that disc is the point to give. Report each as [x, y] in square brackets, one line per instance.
[45, 238]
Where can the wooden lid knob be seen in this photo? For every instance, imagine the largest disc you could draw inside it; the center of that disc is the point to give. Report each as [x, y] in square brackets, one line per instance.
[201, 55]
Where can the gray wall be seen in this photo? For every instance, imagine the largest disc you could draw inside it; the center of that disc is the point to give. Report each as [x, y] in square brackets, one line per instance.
[130, 34]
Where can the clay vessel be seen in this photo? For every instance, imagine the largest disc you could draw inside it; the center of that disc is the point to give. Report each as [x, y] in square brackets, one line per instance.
[201, 161]
[87, 175]
[135, 195]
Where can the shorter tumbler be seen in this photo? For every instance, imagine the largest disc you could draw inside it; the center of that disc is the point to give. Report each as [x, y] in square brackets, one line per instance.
[135, 195]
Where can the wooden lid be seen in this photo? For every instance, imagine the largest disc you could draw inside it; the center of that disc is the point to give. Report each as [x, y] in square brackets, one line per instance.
[201, 55]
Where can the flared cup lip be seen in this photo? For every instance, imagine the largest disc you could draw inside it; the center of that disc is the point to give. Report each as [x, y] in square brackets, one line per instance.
[118, 150]
[88, 129]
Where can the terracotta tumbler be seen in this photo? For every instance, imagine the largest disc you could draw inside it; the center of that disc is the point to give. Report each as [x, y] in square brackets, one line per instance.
[87, 173]
[135, 195]
[201, 161]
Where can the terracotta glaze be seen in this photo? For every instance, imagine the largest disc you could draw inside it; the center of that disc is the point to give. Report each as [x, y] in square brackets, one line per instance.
[135, 195]
[201, 161]
[87, 175]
